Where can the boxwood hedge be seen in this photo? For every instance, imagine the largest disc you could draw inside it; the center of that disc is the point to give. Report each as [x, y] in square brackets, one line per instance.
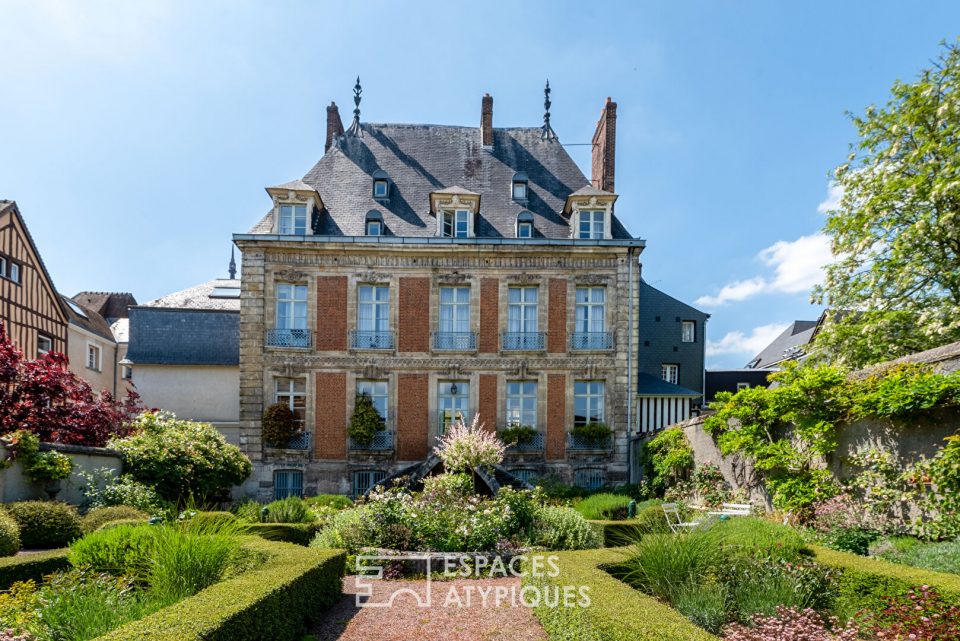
[617, 533]
[299, 533]
[275, 601]
[617, 612]
[31, 566]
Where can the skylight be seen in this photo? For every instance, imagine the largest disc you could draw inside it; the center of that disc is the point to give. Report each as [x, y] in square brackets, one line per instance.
[225, 292]
[76, 308]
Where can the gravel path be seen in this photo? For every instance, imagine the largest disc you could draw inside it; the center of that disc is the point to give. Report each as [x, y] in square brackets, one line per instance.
[449, 618]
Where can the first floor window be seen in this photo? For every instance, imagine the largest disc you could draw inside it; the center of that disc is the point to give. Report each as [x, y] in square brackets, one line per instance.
[287, 483]
[453, 399]
[364, 480]
[591, 224]
[589, 478]
[291, 306]
[293, 220]
[522, 309]
[522, 404]
[44, 344]
[588, 402]
[688, 332]
[93, 357]
[670, 372]
[292, 392]
[590, 313]
[377, 392]
[373, 312]
[454, 309]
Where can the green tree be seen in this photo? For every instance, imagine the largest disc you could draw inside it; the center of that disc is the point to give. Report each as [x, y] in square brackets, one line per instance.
[366, 420]
[895, 233]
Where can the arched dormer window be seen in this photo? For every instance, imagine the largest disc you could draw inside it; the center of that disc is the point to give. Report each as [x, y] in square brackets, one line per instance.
[373, 225]
[381, 185]
[518, 187]
[524, 225]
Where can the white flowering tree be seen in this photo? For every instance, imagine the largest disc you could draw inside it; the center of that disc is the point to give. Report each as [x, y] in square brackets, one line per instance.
[468, 447]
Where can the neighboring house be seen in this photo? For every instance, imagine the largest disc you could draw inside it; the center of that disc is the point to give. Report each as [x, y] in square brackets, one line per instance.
[445, 271]
[734, 380]
[670, 358]
[31, 310]
[183, 353]
[791, 345]
[114, 308]
[91, 347]
[121, 334]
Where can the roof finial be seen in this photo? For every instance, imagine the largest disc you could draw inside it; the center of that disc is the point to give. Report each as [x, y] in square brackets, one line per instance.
[355, 125]
[547, 132]
[232, 269]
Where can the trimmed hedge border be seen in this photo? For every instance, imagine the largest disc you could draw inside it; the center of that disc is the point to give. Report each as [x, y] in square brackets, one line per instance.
[275, 601]
[33, 566]
[617, 533]
[617, 612]
[298, 533]
[864, 582]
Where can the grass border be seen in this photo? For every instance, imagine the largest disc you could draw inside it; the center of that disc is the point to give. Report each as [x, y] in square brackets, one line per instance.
[32, 566]
[617, 533]
[617, 612]
[275, 601]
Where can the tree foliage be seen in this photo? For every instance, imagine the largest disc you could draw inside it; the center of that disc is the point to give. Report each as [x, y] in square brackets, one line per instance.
[279, 425]
[365, 421]
[895, 233]
[45, 398]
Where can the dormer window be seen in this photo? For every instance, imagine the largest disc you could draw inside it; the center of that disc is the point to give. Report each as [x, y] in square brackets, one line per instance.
[525, 225]
[591, 213]
[455, 224]
[381, 185]
[518, 188]
[374, 223]
[592, 224]
[455, 209]
[293, 220]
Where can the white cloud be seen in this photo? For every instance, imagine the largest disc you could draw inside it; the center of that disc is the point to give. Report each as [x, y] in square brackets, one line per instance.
[832, 201]
[739, 343]
[797, 266]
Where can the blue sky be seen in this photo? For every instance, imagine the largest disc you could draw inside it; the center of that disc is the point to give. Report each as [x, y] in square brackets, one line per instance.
[137, 136]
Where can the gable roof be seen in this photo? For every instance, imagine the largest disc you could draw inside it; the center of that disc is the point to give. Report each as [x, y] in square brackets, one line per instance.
[89, 319]
[111, 305]
[201, 296]
[420, 159]
[10, 206]
[787, 346]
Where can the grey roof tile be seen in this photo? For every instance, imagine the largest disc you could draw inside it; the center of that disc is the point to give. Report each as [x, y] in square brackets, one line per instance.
[199, 297]
[795, 337]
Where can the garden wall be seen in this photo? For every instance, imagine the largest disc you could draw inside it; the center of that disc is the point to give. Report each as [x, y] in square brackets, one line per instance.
[15, 486]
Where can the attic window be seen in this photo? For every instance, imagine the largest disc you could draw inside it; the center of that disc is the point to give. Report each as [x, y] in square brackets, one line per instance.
[455, 224]
[374, 223]
[381, 185]
[525, 225]
[518, 188]
[225, 292]
[293, 220]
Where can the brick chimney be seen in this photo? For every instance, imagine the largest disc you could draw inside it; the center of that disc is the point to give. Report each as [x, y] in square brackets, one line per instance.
[334, 125]
[605, 147]
[486, 121]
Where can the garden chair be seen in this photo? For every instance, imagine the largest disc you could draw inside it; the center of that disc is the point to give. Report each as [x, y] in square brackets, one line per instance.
[672, 513]
[733, 509]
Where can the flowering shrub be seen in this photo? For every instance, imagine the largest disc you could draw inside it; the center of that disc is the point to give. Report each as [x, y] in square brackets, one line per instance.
[921, 615]
[101, 488]
[39, 466]
[791, 624]
[466, 448]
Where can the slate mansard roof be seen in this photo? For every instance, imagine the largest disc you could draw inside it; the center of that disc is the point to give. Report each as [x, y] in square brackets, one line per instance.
[789, 345]
[420, 159]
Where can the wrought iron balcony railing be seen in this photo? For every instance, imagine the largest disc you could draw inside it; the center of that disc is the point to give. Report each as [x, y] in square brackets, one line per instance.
[455, 341]
[382, 442]
[523, 341]
[533, 444]
[591, 340]
[576, 442]
[299, 441]
[288, 337]
[371, 340]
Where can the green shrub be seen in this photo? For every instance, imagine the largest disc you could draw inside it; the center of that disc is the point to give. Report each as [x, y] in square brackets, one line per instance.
[663, 564]
[754, 538]
[335, 501]
[345, 531]
[109, 525]
[297, 533]
[45, 524]
[213, 518]
[605, 507]
[31, 567]
[185, 560]
[759, 587]
[119, 550]
[101, 488]
[592, 431]
[652, 520]
[182, 459]
[278, 426]
[704, 603]
[289, 510]
[517, 434]
[9, 535]
[666, 458]
[273, 601]
[851, 539]
[365, 421]
[562, 528]
[941, 557]
[248, 510]
[95, 518]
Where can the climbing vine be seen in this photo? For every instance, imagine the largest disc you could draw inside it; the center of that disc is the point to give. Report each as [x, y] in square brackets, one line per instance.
[666, 459]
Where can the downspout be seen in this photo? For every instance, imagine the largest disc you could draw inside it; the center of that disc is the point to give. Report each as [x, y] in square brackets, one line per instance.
[630, 391]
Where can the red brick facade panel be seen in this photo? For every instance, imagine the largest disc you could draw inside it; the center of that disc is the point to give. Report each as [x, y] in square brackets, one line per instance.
[556, 416]
[330, 437]
[414, 315]
[412, 416]
[332, 313]
[557, 316]
[488, 401]
[489, 315]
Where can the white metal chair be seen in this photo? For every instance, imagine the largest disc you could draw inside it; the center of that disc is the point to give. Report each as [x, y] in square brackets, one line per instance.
[672, 513]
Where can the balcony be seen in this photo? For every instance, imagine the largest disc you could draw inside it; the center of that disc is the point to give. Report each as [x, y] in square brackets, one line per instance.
[382, 442]
[580, 443]
[288, 338]
[534, 444]
[591, 341]
[523, 341]
[371, 340]
[455, 341]
[299, 441]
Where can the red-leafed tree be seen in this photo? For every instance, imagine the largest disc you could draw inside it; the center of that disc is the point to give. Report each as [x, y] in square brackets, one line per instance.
[44, 397]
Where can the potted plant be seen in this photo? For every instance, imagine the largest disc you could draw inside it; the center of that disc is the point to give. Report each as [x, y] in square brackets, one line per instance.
[517, 435]
[48, 467]
[365, 422]
[279, 425]
[594, 434]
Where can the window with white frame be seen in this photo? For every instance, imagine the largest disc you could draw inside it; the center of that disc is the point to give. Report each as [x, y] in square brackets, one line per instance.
[592, 224]
[453, 403]
[377, 392]
[291, 306]
[364, 480]
[522, 309]
[287, 483]
[519, 190]
[380, 188]
[688, 331]
[591, 310]
[93, 356]
[374, 228]
[742, 386]
[44, 344]
[373, 308]
[14, 272]
[524, 229]
[293, 220]
[126, 372]
[522, 404]
[454, 309]
[455, 224]
[670, 372]
[292, 392]
[588, 402]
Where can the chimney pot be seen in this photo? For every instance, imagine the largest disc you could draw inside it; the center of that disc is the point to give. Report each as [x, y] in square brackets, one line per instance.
[605, 148]
[334, 125]
[486, 120]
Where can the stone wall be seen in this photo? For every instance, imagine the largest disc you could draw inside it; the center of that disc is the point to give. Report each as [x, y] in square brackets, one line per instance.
[15, 486]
